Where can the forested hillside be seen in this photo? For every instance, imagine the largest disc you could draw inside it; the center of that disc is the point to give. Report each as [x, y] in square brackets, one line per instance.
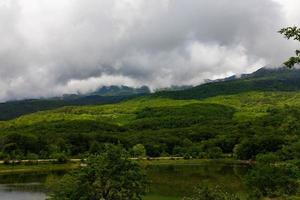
[241, 125]
[264, 79]
[103, 95]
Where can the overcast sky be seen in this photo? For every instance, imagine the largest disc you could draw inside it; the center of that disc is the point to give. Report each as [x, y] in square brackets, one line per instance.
[52, 47]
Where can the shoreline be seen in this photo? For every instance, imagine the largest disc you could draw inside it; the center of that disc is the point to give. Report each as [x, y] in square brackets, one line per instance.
[48, 165]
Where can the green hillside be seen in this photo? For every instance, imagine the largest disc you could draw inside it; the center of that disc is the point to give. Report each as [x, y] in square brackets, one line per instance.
[264, 79]
[244, 124]
[104, 95]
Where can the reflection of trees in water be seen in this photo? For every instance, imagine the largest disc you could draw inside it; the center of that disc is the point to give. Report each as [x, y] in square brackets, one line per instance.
[184, 178]
[164, 178]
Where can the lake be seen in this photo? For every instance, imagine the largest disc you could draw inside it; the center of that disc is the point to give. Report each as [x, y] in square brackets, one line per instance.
[168, 181]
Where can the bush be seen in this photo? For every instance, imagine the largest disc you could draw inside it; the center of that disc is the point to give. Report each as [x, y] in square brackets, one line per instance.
[268, 158]
[32, 156]
[214, 152]
[139, 150]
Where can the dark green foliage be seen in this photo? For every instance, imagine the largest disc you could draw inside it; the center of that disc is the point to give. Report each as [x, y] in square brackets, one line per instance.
[291, 151]
[292, 33]
[250, 147]
[110, 175]
[268, 158]
[214, 152]
[183, 116]
[138, 150]
[273, 181]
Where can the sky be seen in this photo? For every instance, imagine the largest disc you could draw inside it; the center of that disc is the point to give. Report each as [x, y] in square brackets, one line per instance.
[54, 47]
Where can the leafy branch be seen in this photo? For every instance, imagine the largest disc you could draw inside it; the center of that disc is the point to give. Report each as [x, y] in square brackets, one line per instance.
[292, 33]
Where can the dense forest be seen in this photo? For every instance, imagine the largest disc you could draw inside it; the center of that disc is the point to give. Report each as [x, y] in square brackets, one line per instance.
[241, 125]
[103, 95]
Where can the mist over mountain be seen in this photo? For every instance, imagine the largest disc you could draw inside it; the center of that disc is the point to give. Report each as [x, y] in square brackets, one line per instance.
[103, 95]
[50, 48]
[264, 79]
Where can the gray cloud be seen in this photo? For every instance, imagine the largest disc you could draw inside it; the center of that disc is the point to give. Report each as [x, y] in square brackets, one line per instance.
[63, 46]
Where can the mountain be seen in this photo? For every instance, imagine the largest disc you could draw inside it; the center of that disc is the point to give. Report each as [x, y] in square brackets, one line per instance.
[104, 95]
[244, 116]
[120, 90]
[174, 88]
[264, 79]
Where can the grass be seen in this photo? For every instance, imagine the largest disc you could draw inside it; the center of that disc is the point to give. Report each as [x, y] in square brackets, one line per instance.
[48, 167]
[36, 168]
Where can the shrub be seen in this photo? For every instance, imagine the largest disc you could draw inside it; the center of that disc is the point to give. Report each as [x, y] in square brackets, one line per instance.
[214, 152]
[268, 158]
[139, 150]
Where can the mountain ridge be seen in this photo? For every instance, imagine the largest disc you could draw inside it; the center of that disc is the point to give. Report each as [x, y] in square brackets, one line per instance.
[263, 79]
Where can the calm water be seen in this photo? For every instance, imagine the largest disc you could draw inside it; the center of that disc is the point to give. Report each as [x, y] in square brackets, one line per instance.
[168, 182]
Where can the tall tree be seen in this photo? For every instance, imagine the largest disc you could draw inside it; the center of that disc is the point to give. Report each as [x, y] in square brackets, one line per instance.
[292, 33]
[111, 175]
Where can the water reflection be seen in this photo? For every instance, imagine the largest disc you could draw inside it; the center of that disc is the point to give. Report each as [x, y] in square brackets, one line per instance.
[9, 192]
[163, 178]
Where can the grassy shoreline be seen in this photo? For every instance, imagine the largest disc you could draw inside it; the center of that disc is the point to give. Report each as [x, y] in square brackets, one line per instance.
[49, 166]
[36, 168]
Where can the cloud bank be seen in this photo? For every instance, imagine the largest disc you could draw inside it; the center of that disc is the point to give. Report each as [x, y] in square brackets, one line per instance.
[49, 48]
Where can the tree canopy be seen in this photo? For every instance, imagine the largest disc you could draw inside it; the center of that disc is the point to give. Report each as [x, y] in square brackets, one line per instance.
[110, 175]
[292, 33]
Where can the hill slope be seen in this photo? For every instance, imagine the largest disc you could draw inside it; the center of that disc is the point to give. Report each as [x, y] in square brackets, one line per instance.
[104, 95]
[264, 79]
[221, 124]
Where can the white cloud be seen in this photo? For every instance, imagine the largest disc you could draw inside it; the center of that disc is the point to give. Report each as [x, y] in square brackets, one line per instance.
[59, 46]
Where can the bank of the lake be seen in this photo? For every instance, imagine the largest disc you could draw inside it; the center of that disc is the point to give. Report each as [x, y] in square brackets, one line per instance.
[50, 165]
[169, 179]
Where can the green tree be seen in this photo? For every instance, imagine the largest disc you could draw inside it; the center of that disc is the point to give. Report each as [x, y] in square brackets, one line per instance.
[292, 33]
[291, 151]
[95, 148]
[107, 176]
[267, 158]
[250, 147]
[139, 150]
[269, 180]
